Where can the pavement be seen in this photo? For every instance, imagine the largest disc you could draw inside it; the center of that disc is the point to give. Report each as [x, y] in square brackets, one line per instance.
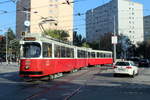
[11, 67]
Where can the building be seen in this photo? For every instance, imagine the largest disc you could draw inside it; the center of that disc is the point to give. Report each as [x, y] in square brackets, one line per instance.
[147, 28]
[125, 15]
[51, 14]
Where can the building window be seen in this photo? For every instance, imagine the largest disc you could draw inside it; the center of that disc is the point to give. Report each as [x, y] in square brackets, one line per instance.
[50, 11]
[51, 5]
[132, 13]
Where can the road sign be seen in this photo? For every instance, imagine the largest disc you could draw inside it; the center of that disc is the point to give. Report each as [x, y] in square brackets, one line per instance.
[114, 39]
[27, 23]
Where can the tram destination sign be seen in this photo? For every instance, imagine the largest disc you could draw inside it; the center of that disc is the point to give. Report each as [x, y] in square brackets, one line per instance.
[29, 39]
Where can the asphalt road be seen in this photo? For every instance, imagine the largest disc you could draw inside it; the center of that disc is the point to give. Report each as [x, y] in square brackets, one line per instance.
[89, 84]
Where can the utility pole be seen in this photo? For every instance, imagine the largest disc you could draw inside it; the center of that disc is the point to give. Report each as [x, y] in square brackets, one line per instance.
[114, 36]
[27, 22]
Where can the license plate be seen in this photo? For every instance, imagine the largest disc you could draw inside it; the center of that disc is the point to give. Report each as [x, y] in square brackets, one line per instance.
[121, 69]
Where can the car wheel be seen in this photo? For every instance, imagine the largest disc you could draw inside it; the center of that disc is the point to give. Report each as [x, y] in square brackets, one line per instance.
[132, 76]
[115, 75]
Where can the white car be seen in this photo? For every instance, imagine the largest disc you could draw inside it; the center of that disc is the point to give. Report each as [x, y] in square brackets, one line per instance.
[125, 67]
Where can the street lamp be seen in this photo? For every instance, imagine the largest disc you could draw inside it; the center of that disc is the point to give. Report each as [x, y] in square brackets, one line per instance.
[114, 38]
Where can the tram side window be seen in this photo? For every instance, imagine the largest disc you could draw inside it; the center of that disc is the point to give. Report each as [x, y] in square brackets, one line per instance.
[69, 52]
[86, 55]
[47, 50]
[63, 52]
[57, 51]
[79, 53]
[98, 55]
[82, 54]
[93, 54]
[107, 55]
[101, 55]
[104, 55]
[89, 55]
[72, 53]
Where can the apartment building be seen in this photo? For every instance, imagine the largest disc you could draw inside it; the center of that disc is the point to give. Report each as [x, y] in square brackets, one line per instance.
[123, 16]
[147, 28]
[51, 14]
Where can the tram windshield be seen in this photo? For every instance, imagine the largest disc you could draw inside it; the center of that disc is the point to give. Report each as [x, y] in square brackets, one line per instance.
[31, 49]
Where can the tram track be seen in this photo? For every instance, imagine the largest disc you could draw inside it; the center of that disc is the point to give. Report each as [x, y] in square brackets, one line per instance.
[66, 80]
[76, 91]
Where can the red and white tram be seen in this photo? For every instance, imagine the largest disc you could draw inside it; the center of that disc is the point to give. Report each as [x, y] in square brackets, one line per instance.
[41, 56]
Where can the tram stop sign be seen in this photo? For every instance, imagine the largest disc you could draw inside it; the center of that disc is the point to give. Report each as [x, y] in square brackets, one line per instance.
[114, 39]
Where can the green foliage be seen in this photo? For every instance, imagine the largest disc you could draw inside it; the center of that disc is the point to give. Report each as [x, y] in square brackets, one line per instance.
[105, 42]
[78, 40]
[123, 46]
[10, 34]
[143, 49]
[94, 45]
[86, 45]
[12, 44]
[57, 34]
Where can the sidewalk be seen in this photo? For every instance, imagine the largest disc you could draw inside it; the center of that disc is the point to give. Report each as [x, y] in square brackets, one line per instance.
[12, 67]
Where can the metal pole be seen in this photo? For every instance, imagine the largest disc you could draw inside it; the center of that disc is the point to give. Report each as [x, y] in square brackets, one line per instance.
[6, 48]
[114, 35]
[27, 19]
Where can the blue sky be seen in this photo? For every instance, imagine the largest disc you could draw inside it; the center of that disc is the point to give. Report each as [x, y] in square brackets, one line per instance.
[9, 19]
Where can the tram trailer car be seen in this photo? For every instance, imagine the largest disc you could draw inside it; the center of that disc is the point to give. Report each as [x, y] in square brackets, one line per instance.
[42, 56]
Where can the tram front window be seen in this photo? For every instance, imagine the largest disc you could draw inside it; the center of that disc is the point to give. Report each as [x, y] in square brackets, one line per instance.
[31, 50]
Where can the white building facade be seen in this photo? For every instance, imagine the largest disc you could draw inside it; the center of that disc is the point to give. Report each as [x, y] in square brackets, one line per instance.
[147, 28]
[125, 15]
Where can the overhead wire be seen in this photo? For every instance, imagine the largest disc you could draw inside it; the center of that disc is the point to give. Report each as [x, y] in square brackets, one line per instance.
[2, 2]
[84, 13]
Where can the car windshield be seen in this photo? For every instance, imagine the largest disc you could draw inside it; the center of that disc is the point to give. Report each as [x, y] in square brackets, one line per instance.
[122, 64]
[31, 49]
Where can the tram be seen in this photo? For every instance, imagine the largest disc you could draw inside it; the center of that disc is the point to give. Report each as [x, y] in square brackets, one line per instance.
[44, 56]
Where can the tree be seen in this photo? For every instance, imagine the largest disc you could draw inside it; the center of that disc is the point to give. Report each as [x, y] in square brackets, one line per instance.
[105, 42]
[124, 44]
[57, 34]
[78, 40]
[142, 49]
[12, 47]
[94, 45]
[86, 45]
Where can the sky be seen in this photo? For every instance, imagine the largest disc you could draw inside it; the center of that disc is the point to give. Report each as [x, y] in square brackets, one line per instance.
[81, 6]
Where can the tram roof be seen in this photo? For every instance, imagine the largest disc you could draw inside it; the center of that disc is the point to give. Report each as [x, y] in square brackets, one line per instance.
[46, 38]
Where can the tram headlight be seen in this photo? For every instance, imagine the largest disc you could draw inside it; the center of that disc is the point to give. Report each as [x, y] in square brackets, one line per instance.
[27, 67]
